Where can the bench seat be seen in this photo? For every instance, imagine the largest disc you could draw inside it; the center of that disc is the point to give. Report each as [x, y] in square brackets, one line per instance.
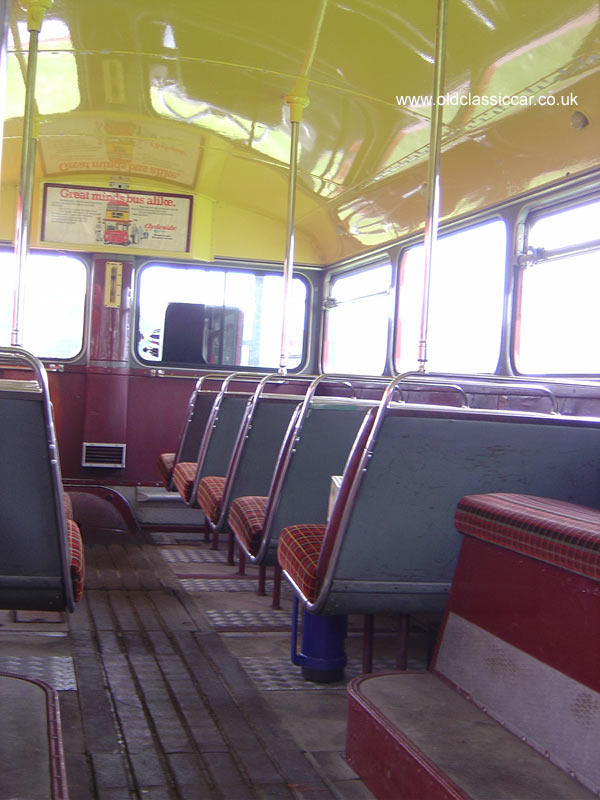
[512, 705]
[298, 553]
[184, 475]
[67, 505]
[246, 519]
[76, 558]
[413, 736]
[210, 495]
[165, 465]
[554, 531]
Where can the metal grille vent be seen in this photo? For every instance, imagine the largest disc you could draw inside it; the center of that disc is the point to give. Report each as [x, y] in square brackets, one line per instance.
[99, 454]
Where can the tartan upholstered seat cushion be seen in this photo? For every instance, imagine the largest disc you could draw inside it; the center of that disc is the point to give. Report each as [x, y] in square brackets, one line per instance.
[246, 517]
[184, 474]
[67, 505]
[298, 552]
[76, 558]
[210, 492]
[554, 531]
[165, 464]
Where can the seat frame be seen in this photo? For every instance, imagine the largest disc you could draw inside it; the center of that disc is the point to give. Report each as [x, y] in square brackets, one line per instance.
[31, 495]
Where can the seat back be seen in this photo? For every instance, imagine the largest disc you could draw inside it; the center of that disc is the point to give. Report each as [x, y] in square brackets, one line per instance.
[257, 447]
[195, 420]
[391, 545]
[34, 561]
[317, 446]
[270, 434]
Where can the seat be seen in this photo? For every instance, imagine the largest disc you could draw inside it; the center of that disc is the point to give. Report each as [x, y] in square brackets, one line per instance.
[192, 428]
[316, 446]
[217, 440]
[41, 552]
[165, 465]
[511, 706]
[390, 545]
[254, 455]
[555, 531]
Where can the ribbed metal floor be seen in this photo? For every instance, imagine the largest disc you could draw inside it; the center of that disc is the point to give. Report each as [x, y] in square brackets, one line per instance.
[279, 674]
[57, 671]
[189, 555]
[249, 619]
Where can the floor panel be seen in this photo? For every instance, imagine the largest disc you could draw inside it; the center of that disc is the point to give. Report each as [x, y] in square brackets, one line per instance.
[175, 680]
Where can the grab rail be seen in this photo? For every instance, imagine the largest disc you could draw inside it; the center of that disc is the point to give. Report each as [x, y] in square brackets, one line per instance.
[497, 382]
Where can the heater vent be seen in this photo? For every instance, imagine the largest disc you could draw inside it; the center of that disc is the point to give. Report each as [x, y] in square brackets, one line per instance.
[98, 454]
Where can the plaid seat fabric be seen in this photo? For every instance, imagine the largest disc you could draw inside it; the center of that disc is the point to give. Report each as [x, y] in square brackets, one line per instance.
[183, 478]
[246, 517]
[210, 492]
[68, 505]
[165, 464]
[76, 558]
[298, 552]
[554, 531]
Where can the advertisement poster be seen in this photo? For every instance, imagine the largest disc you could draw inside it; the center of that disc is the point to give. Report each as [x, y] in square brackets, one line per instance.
[122, 218]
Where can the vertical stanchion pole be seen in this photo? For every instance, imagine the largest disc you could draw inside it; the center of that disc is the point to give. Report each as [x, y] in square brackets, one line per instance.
[433, 180]
[297, 102]
[35, 15]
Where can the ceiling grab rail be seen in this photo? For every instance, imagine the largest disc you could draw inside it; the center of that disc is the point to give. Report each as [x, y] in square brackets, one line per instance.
[35, 16]
[433, 179]
[297, 101]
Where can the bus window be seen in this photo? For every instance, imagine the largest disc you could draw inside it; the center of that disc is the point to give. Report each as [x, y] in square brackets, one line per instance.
[236, 317]
[54, 304]
[465, 303]
[558, 326]
[357, 320]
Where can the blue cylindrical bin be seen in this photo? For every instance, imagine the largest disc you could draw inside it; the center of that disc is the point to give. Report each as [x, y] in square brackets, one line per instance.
[322, 655]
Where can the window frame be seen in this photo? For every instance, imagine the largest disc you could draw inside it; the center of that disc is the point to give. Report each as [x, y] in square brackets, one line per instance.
[455, 228]
[243, 267]
[379, 259]
[530, 215]
[85, 260]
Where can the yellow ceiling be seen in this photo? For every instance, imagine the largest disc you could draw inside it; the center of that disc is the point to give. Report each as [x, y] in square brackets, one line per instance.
[188, 96]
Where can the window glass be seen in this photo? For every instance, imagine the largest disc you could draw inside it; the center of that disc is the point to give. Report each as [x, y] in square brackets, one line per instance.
[54, 303]
[566, 227]
[558, 325]
[57, 81]
[199, 315]
[357, 321]
[465, 302]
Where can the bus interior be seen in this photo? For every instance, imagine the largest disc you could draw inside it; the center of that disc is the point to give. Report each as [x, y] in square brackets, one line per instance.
[299, 391]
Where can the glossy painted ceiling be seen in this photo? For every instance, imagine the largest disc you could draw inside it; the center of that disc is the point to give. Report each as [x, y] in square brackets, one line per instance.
[188, 96]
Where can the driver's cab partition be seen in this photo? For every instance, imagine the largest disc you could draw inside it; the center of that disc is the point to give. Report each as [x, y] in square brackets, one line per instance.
[41, 552]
